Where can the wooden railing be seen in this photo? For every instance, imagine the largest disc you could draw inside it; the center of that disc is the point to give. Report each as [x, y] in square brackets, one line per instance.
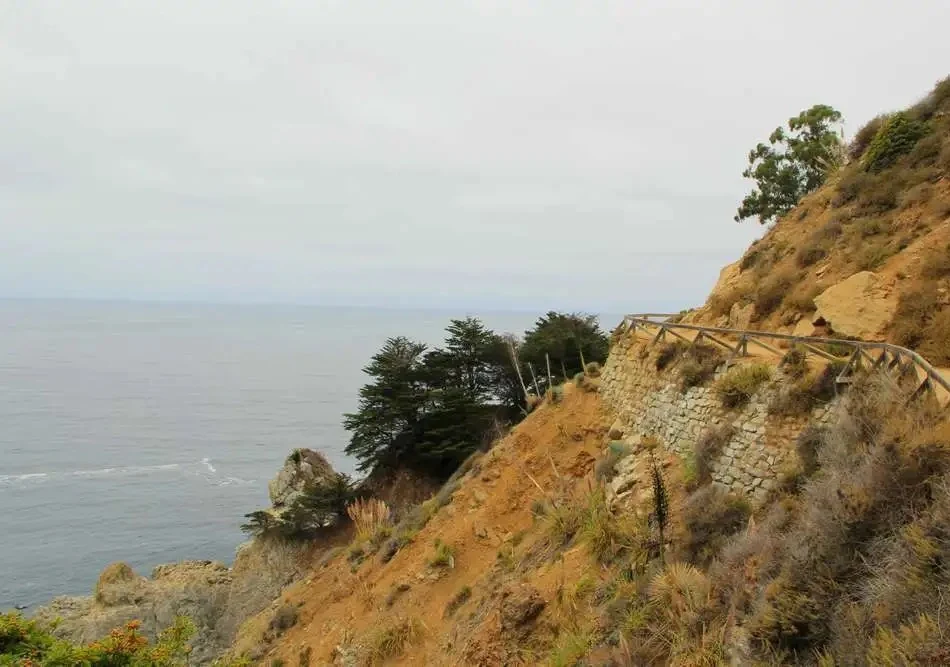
[876, 355]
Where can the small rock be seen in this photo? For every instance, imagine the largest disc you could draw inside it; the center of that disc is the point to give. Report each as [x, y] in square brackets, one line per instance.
[520, 604]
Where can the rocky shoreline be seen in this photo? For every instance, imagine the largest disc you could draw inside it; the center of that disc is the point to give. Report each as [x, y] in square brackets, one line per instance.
[217, 598]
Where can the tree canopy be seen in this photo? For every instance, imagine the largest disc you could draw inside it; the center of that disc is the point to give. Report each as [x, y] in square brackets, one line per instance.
[565, 337]
[429, 409]
[793, 163]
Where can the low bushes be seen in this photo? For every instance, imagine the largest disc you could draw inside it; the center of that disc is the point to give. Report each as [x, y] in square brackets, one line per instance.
[896, 137]
[669, 353]
[737, 386]
[771, 293]
[393, 639]
[25, 642]
[699, 365]
[808, 391]
[710, 516]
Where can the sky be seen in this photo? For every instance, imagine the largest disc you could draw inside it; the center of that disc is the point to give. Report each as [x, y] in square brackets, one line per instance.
[444, 153]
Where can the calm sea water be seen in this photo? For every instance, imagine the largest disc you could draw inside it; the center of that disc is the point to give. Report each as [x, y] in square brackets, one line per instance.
[144, 432]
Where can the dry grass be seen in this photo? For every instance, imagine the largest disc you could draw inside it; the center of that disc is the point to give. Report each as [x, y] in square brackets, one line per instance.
[710, 516]
[826, 566]
[736, 387]
[699, 365]
[669, 352]
[608, 535]
[772, 292]
[392, 640]
[914, 310]
[369, 515]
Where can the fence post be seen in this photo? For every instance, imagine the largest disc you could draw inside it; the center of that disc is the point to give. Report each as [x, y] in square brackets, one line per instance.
[534, 378]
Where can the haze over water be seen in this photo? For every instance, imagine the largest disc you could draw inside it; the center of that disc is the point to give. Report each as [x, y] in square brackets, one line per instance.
[143, 431]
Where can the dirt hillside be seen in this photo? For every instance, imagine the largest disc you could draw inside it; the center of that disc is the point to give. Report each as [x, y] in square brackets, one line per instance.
[865, 256]
[497, 599]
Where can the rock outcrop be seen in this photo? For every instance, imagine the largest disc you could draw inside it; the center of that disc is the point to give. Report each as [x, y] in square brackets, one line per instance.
[303, 469]
[218, 599]
[860, 306]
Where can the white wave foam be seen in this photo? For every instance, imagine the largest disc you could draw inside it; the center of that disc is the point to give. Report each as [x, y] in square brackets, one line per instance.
[30, 476]
[99, 472]
[207, 464]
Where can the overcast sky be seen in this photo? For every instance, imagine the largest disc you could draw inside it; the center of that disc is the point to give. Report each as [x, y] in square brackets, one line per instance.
[576, 155]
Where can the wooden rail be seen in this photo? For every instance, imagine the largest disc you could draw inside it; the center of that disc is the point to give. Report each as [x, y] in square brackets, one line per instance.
[888, 357]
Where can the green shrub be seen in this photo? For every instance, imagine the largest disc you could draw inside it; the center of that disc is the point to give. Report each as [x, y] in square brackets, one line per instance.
[896, 137]
[25, 642]
[563, 520]
[443, 557]
[737, 386]
[605, 533]
[284, 618]
[938, 99]
[862, 138]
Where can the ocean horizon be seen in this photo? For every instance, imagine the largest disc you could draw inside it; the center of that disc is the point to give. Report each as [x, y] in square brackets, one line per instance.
[144, 431]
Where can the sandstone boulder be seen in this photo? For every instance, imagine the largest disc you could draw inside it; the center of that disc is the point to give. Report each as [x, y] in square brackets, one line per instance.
[861, 306]
[740, 317]
[805, 326]
[217, 599]
[304, 468]
[616, 430]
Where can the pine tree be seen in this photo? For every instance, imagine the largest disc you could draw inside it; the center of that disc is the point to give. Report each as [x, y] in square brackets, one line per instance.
[388, 421]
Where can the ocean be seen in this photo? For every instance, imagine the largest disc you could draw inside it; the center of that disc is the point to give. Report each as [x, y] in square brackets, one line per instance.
[143, 432]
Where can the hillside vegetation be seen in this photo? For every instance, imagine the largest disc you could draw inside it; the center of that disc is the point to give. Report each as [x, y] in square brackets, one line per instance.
[885, 211]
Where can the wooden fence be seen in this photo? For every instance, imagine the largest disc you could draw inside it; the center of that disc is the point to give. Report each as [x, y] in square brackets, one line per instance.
[873, 355]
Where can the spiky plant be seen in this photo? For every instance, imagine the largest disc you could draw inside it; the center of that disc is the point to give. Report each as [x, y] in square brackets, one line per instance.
[660, 504]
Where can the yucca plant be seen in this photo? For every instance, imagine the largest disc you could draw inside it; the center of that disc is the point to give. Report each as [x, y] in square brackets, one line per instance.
[660, 504]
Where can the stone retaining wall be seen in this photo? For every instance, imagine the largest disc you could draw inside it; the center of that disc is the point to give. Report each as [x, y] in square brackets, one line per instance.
[647, 402]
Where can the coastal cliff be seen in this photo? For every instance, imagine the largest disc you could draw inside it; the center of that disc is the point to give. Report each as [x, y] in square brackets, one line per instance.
[217, 598]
